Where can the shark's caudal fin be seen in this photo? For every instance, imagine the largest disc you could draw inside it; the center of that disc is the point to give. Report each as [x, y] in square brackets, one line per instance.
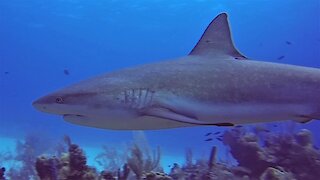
[216, 40]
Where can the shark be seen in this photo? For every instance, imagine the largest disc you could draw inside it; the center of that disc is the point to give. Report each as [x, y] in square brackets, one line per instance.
[214, 85]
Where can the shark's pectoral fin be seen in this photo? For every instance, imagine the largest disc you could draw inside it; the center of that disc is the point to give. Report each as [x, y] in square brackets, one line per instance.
[217, 41]
[169, 114]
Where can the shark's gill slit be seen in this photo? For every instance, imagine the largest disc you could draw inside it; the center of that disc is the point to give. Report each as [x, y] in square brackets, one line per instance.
[137, 98]
[145, 96]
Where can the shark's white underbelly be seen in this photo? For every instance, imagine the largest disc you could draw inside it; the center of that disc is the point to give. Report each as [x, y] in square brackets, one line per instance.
[249, 113]
[240, 112]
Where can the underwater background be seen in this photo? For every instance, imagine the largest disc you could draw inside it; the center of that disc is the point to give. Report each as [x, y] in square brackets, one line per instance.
[46, 45]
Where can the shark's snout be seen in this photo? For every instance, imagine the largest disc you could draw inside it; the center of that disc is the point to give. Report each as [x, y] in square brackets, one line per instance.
[60, 104]
[39, 104]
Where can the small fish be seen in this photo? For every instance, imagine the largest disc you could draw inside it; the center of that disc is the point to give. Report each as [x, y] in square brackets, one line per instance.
[280, 57]
[288, 42]
[216, 133]
[208, 134]
[275, 125]
[210, 139]
[66, 72]
[238, 126]
[267, 130]
[219, 139]
[6, 72]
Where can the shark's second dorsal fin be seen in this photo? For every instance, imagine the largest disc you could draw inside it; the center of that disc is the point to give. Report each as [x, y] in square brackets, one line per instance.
[216, 40]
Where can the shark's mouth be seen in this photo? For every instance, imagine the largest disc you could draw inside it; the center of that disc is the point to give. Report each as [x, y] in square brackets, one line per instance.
[77, 119]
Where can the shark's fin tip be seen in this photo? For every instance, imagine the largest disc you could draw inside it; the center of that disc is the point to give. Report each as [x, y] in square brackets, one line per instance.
[224, 124]
[216, 40]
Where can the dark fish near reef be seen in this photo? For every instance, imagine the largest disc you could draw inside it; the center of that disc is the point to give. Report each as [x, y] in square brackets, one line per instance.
[213, 85]
[209, 139]
[281, 57]
[216, 133]
[66, 72]
[219, 138]
[208, 134]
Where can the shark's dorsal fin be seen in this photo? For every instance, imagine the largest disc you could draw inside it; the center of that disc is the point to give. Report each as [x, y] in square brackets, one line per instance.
[216, 40]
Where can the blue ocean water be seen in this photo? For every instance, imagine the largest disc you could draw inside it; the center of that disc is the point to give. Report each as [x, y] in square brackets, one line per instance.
[40, 39]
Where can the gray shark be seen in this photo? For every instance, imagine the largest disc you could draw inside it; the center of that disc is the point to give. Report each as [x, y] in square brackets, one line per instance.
[214, 85]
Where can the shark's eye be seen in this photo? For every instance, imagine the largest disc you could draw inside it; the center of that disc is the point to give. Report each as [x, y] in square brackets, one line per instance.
[59, 100]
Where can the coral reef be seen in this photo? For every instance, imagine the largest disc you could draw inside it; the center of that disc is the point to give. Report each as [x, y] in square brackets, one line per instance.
[121, 175]
[125, 172]
[259, 154]
[71, 165]
[278, 156]
[47, 168]
[156, 176]
[26, 154]
[107, 175]
[111, 158]
[287, 156]
[141, 163]
[246, 149]
[4, 157]
[276, 174]
[140, 160]
[2, 171]
[201, 169]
